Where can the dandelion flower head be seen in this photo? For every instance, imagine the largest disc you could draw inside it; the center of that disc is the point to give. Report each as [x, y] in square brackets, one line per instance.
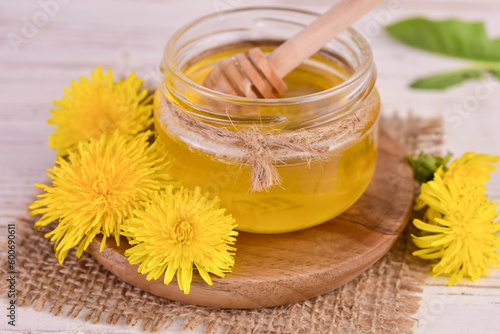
[97, 188]
[460, 233]
[97, 105]
[177, 231]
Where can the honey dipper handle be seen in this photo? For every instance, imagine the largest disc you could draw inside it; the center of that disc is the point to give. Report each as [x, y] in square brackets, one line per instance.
[290, 54]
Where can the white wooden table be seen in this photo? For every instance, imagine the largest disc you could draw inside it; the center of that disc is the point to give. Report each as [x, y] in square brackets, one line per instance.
[129, 35]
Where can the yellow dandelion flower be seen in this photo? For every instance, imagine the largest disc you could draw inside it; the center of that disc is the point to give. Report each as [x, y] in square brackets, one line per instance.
[98, 187]
[470, 169]
[462, 236]
[175, 231]
[98, 105]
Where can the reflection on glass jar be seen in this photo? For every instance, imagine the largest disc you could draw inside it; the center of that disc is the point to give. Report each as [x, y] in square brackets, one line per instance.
[331, 96]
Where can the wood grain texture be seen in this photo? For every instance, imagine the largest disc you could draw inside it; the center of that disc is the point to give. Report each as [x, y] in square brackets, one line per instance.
[284, 268]
[240, 74]
[325, 28]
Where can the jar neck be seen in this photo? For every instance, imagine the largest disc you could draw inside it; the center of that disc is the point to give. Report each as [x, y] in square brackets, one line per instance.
[349, 51]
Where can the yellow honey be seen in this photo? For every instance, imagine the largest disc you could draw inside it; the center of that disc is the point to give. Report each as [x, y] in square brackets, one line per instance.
[310, 192]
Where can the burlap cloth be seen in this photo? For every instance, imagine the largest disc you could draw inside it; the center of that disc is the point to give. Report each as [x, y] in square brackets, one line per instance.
[381, 300]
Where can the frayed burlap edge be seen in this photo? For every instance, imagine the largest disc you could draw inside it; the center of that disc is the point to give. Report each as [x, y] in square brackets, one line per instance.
[381, 300]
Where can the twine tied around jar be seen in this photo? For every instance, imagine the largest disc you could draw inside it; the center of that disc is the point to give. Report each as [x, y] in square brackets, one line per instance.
[312, 144]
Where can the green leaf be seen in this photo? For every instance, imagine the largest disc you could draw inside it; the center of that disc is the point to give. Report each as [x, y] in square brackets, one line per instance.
[425, 165]
[453, 37]
[495, 73]
[447, 79]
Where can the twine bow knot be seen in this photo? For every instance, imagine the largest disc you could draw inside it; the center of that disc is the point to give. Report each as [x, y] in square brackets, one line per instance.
[261, 147]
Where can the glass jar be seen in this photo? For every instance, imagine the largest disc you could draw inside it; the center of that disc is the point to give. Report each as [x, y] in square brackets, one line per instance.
[334, 89]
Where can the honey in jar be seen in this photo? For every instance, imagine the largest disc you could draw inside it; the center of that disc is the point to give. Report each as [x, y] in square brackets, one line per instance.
[334, 89]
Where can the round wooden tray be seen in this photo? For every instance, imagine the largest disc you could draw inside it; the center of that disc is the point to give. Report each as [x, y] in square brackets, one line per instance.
[278, 269]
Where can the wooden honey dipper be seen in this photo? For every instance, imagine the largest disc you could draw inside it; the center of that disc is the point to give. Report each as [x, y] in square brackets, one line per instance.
[254, 75]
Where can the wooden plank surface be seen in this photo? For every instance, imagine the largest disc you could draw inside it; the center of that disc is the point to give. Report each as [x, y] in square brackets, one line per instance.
[130, 34]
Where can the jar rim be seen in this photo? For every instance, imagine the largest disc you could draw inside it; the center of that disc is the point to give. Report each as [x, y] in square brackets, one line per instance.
[359, 72]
